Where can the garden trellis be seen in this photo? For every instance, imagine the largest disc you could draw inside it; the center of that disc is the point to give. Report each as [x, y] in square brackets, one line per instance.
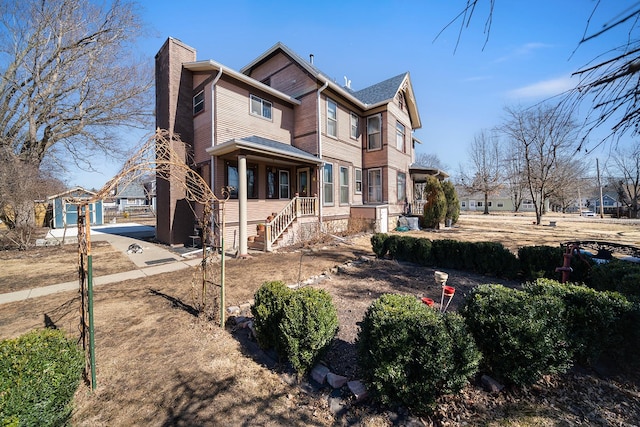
[160, 154]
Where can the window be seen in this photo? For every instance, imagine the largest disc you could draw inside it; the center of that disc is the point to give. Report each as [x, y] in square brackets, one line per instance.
[358, 179]
[260, 107]
[198, 102]
[332, 118]
[400, 136]
[500, 205]
[374, 129]
[374, 177]
[354, 126]
[489, 204]
[233, 180]
[463, 204]
[402, 187]
[284, 184]
[344, 185]
[479, 204]
[400, 100]
[327, 184]
[527, 204]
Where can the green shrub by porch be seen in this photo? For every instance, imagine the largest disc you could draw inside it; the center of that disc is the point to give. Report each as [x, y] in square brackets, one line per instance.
[298, 324]
[39, 374]
[410, 354]
[309, 323]
[521, 336]
[435, 207]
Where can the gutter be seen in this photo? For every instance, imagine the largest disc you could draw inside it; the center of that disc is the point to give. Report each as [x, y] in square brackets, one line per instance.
[321, 172]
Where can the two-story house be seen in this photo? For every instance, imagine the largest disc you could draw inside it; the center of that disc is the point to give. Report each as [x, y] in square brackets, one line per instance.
[300, 151]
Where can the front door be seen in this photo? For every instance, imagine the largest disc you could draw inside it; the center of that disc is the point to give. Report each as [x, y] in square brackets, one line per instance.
[303, 182]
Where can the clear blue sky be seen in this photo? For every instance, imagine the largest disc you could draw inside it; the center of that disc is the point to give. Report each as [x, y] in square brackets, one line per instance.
[530, 54]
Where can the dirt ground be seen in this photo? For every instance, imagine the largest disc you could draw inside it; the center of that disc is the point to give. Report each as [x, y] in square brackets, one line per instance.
[159, 363]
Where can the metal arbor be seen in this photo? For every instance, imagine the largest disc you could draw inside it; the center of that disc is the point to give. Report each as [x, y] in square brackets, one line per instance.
[160, 154]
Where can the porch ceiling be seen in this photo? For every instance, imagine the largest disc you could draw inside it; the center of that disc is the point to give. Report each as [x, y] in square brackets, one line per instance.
[256, 148]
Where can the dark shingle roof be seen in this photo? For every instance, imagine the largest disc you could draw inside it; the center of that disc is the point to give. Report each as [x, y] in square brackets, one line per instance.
[275, 145]
[380, 91]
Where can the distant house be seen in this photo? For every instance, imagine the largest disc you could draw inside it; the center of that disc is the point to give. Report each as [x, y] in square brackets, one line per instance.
[65, 212]
[313, 152]
[133, 194]
[609, 202]
[498, 202]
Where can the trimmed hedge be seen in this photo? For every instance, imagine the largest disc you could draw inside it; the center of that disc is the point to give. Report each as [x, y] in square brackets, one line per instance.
[39, 374]
[298, 324]
[594, 319]
[521, 335]
[616, 275]
[410, 354]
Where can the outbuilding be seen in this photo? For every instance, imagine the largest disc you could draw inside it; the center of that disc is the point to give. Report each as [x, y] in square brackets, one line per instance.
[65, 211]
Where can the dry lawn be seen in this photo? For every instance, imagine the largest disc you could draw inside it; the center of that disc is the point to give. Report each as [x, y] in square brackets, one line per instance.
[158, 363]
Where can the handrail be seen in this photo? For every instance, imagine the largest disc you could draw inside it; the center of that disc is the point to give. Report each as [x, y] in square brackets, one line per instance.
[297, 207]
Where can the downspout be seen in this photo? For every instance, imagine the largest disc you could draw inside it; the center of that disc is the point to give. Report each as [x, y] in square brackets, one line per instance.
[321, 172]
[213, 143]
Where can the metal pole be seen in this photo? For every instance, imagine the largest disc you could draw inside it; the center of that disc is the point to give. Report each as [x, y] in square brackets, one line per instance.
[222, 272]
[600, 186]
[92, 343]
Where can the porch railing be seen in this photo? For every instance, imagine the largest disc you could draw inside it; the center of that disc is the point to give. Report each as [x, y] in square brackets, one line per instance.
[297, 207]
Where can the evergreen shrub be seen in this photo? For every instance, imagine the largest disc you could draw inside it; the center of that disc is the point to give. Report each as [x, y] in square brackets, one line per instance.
[39, 374]
[410, 354]
[521, 335]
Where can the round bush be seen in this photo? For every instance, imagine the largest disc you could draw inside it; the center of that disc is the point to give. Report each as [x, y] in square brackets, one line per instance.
[309, 323]
[269, 301]
[521, 336]
[39, 374]
[410, 354]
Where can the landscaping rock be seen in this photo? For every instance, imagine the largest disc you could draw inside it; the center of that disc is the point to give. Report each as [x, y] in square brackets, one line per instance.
[490, 384]
[336, 381]
[233, 310]
[358, 389]
[319, 373]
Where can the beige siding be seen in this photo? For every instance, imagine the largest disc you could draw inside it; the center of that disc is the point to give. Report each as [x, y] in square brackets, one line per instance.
[234, 120]
[306, 123]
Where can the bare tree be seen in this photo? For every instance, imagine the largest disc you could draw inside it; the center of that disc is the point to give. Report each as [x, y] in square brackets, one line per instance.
[69, 81]
[430, 160]
[514, 173]
[562, 190]
[545, 134]
[624, 174]
[609, 82]
[485, 173]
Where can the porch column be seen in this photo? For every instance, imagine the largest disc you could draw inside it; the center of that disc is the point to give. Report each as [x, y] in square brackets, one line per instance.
[242, 205]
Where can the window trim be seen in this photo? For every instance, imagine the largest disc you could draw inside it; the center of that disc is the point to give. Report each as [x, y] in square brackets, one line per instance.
[404, 196]
[263, 103]
[334, 120]
[401, 132]
[344, 185]
[354, 127]
[370, 186]
[250, 168]
[198, 105]
[379, 133]
[288, 195]
[327, 183]
[357, 181]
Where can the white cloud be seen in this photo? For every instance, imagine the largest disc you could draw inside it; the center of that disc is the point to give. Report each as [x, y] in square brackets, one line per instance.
[543, 89]
[524, 50]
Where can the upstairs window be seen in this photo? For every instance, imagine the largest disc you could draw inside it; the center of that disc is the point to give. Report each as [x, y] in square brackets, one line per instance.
[354, 126]
[198, 102]
[358, 180]
[260, 107]
[374, 131]
[400, 136]
[332, 118]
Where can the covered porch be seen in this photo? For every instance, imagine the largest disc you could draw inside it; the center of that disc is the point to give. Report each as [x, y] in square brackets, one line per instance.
[271, 184]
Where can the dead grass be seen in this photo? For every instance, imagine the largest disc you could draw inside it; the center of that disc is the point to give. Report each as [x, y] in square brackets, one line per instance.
[159, 364]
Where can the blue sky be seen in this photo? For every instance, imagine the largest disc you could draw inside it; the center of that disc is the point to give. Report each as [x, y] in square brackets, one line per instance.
[530, 55]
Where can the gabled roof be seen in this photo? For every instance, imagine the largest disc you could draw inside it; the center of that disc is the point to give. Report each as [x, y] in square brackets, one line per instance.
[131, 191]
[367, 98]
[76, 193]
[211, 65]
[382, 91]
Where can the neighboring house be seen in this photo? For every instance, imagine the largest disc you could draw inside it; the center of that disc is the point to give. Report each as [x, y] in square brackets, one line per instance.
[302, 146]
[65, 212]
[132, 195]
[609, 202]
[498, 202]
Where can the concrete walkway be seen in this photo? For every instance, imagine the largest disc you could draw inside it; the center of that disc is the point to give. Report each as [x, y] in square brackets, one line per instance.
[153, 260]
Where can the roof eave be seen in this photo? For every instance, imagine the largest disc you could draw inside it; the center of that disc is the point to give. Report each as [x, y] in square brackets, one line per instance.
[211, 65]
[239, 144]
